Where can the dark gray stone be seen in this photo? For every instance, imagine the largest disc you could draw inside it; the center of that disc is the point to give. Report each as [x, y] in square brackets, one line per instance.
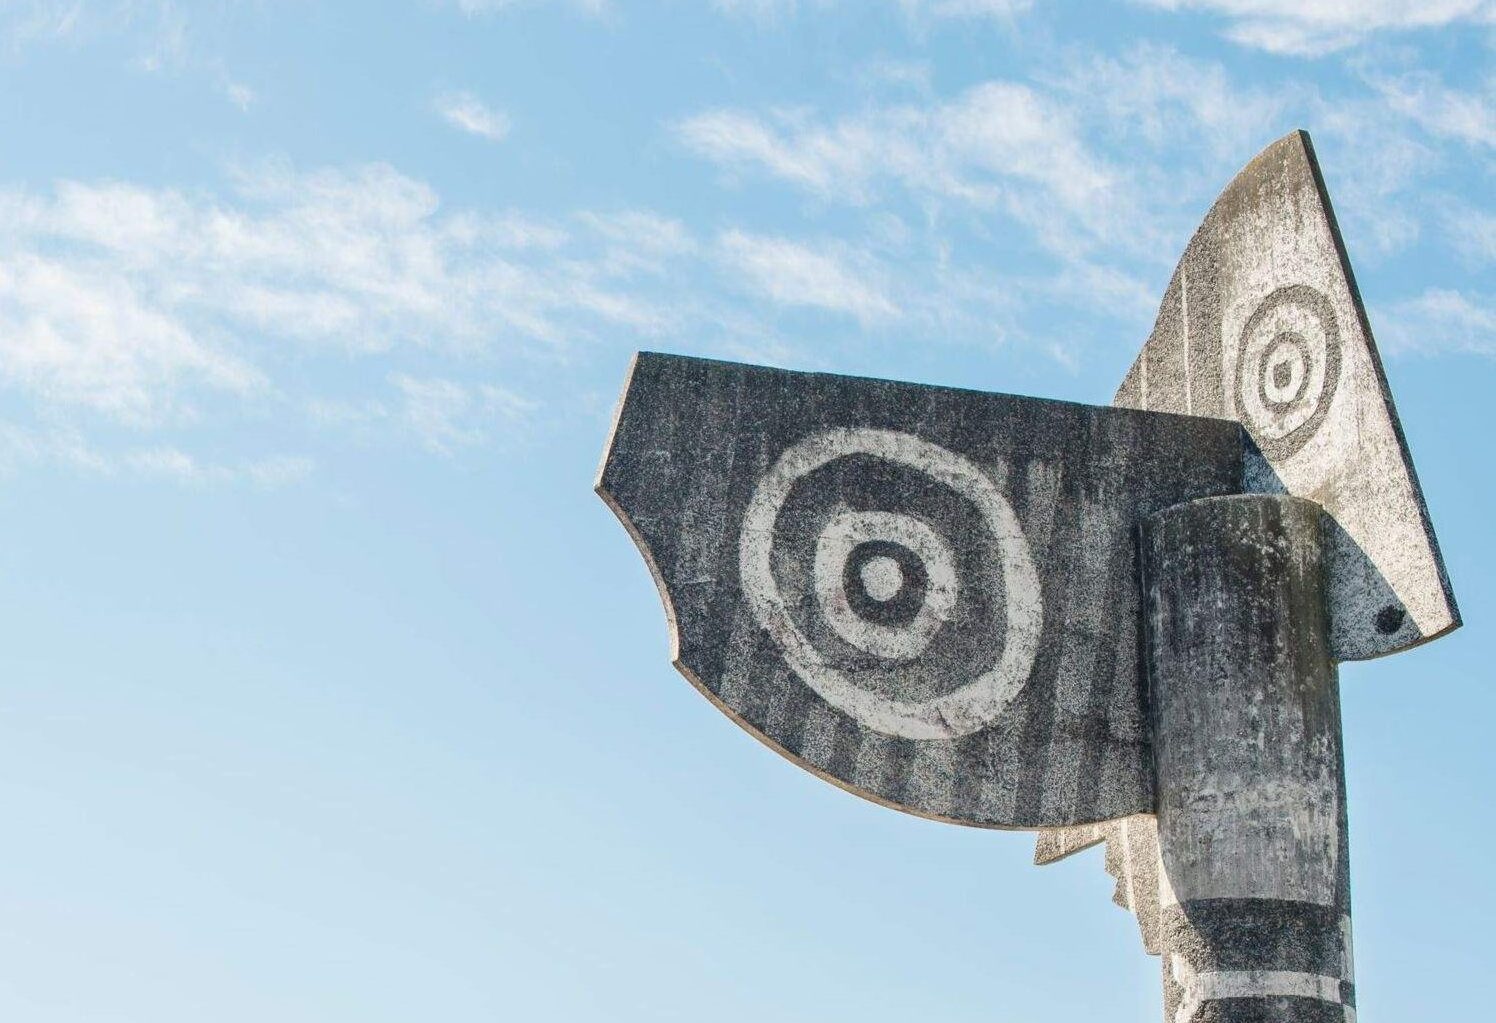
[925, 595]
[1262, 323]
[1255, 882]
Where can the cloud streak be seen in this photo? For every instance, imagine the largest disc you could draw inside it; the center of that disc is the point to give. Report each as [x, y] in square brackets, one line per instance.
[467, 113]
[1311, 28]
[795, 274]
[997, 145]
[773, 10]
[145, 309]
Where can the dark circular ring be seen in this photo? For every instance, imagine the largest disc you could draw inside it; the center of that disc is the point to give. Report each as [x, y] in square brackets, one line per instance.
[1319, 306]
[899, 609]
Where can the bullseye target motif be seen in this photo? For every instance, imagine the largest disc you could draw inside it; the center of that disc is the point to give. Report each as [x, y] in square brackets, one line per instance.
[887, 619]
[1287, 368]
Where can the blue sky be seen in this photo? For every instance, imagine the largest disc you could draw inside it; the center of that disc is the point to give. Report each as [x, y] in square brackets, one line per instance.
[328, 689]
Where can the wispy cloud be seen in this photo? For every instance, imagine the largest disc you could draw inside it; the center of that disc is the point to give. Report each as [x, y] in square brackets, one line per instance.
[795, 274]
[476, 7]
[999, 144]
[1154, 95]
[1460, 115]
[1472, 230]
[466, 112]
[81, 335]
[175, 464]
[773, 10]
[1037, 165]
[1316, 27]
[239, 94]
[24, 447]
[445, 415]
[158, 30]
[1438, 321]
[146, 309]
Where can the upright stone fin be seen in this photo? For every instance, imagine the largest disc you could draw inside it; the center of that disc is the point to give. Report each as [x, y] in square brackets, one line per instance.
[1262, 323]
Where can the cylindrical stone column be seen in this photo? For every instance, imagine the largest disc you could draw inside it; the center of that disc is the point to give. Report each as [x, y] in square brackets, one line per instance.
[1254, 884]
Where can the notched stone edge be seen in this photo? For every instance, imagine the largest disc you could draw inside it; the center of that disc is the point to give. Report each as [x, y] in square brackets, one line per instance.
[600, 488]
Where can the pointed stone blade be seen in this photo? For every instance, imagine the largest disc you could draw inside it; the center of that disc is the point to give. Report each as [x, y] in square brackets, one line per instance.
[1262, 323]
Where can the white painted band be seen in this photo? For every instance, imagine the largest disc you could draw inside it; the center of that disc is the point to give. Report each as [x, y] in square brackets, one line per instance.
[842, 534]
[952, 714]
[1211, 986]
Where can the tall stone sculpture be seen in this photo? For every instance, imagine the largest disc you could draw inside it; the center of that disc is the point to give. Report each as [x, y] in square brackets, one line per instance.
[1110, 624]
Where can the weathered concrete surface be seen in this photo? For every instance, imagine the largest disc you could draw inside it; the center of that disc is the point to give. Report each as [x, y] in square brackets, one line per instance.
[1262, 323]
[925, 595]
[1254, 889]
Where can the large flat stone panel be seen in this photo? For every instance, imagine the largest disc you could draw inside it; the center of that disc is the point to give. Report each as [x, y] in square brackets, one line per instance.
[928, 596]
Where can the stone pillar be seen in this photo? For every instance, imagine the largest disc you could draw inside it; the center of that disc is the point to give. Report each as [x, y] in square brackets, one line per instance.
[1254, 884]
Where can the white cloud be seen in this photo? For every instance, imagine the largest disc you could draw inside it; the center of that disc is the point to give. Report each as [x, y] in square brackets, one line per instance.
[466, 112]
[158, 30]
[772, 10]
[1155, 95]
[176, 464]
[476, 7]
[1473, 231]
[239, 94]
[1314, 27]
[141, 309]
[638, 240]
[794, 274]
[24, 22]
[1462, 116]
[358, 259]
[25, 447]
[971, 8]
[445, 415]
[82, 336]
[22, 446]
[997, 144]
[1438, 321]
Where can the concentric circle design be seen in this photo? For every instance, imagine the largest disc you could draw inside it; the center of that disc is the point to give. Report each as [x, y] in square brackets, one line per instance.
[1287, 368]
[884, 539]
[887, 582]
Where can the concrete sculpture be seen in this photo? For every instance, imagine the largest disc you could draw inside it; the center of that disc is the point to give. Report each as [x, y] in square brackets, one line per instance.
[1113, 624]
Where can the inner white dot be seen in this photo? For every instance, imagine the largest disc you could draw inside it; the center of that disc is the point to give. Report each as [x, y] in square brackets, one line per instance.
[1285, 373]
[882, 578]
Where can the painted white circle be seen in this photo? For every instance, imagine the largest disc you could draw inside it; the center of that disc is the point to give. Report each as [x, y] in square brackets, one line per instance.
[842, 534]
[882, 578]
[961, 711]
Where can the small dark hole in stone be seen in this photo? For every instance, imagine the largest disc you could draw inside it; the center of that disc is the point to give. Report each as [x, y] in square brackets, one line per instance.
[1390, 619]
